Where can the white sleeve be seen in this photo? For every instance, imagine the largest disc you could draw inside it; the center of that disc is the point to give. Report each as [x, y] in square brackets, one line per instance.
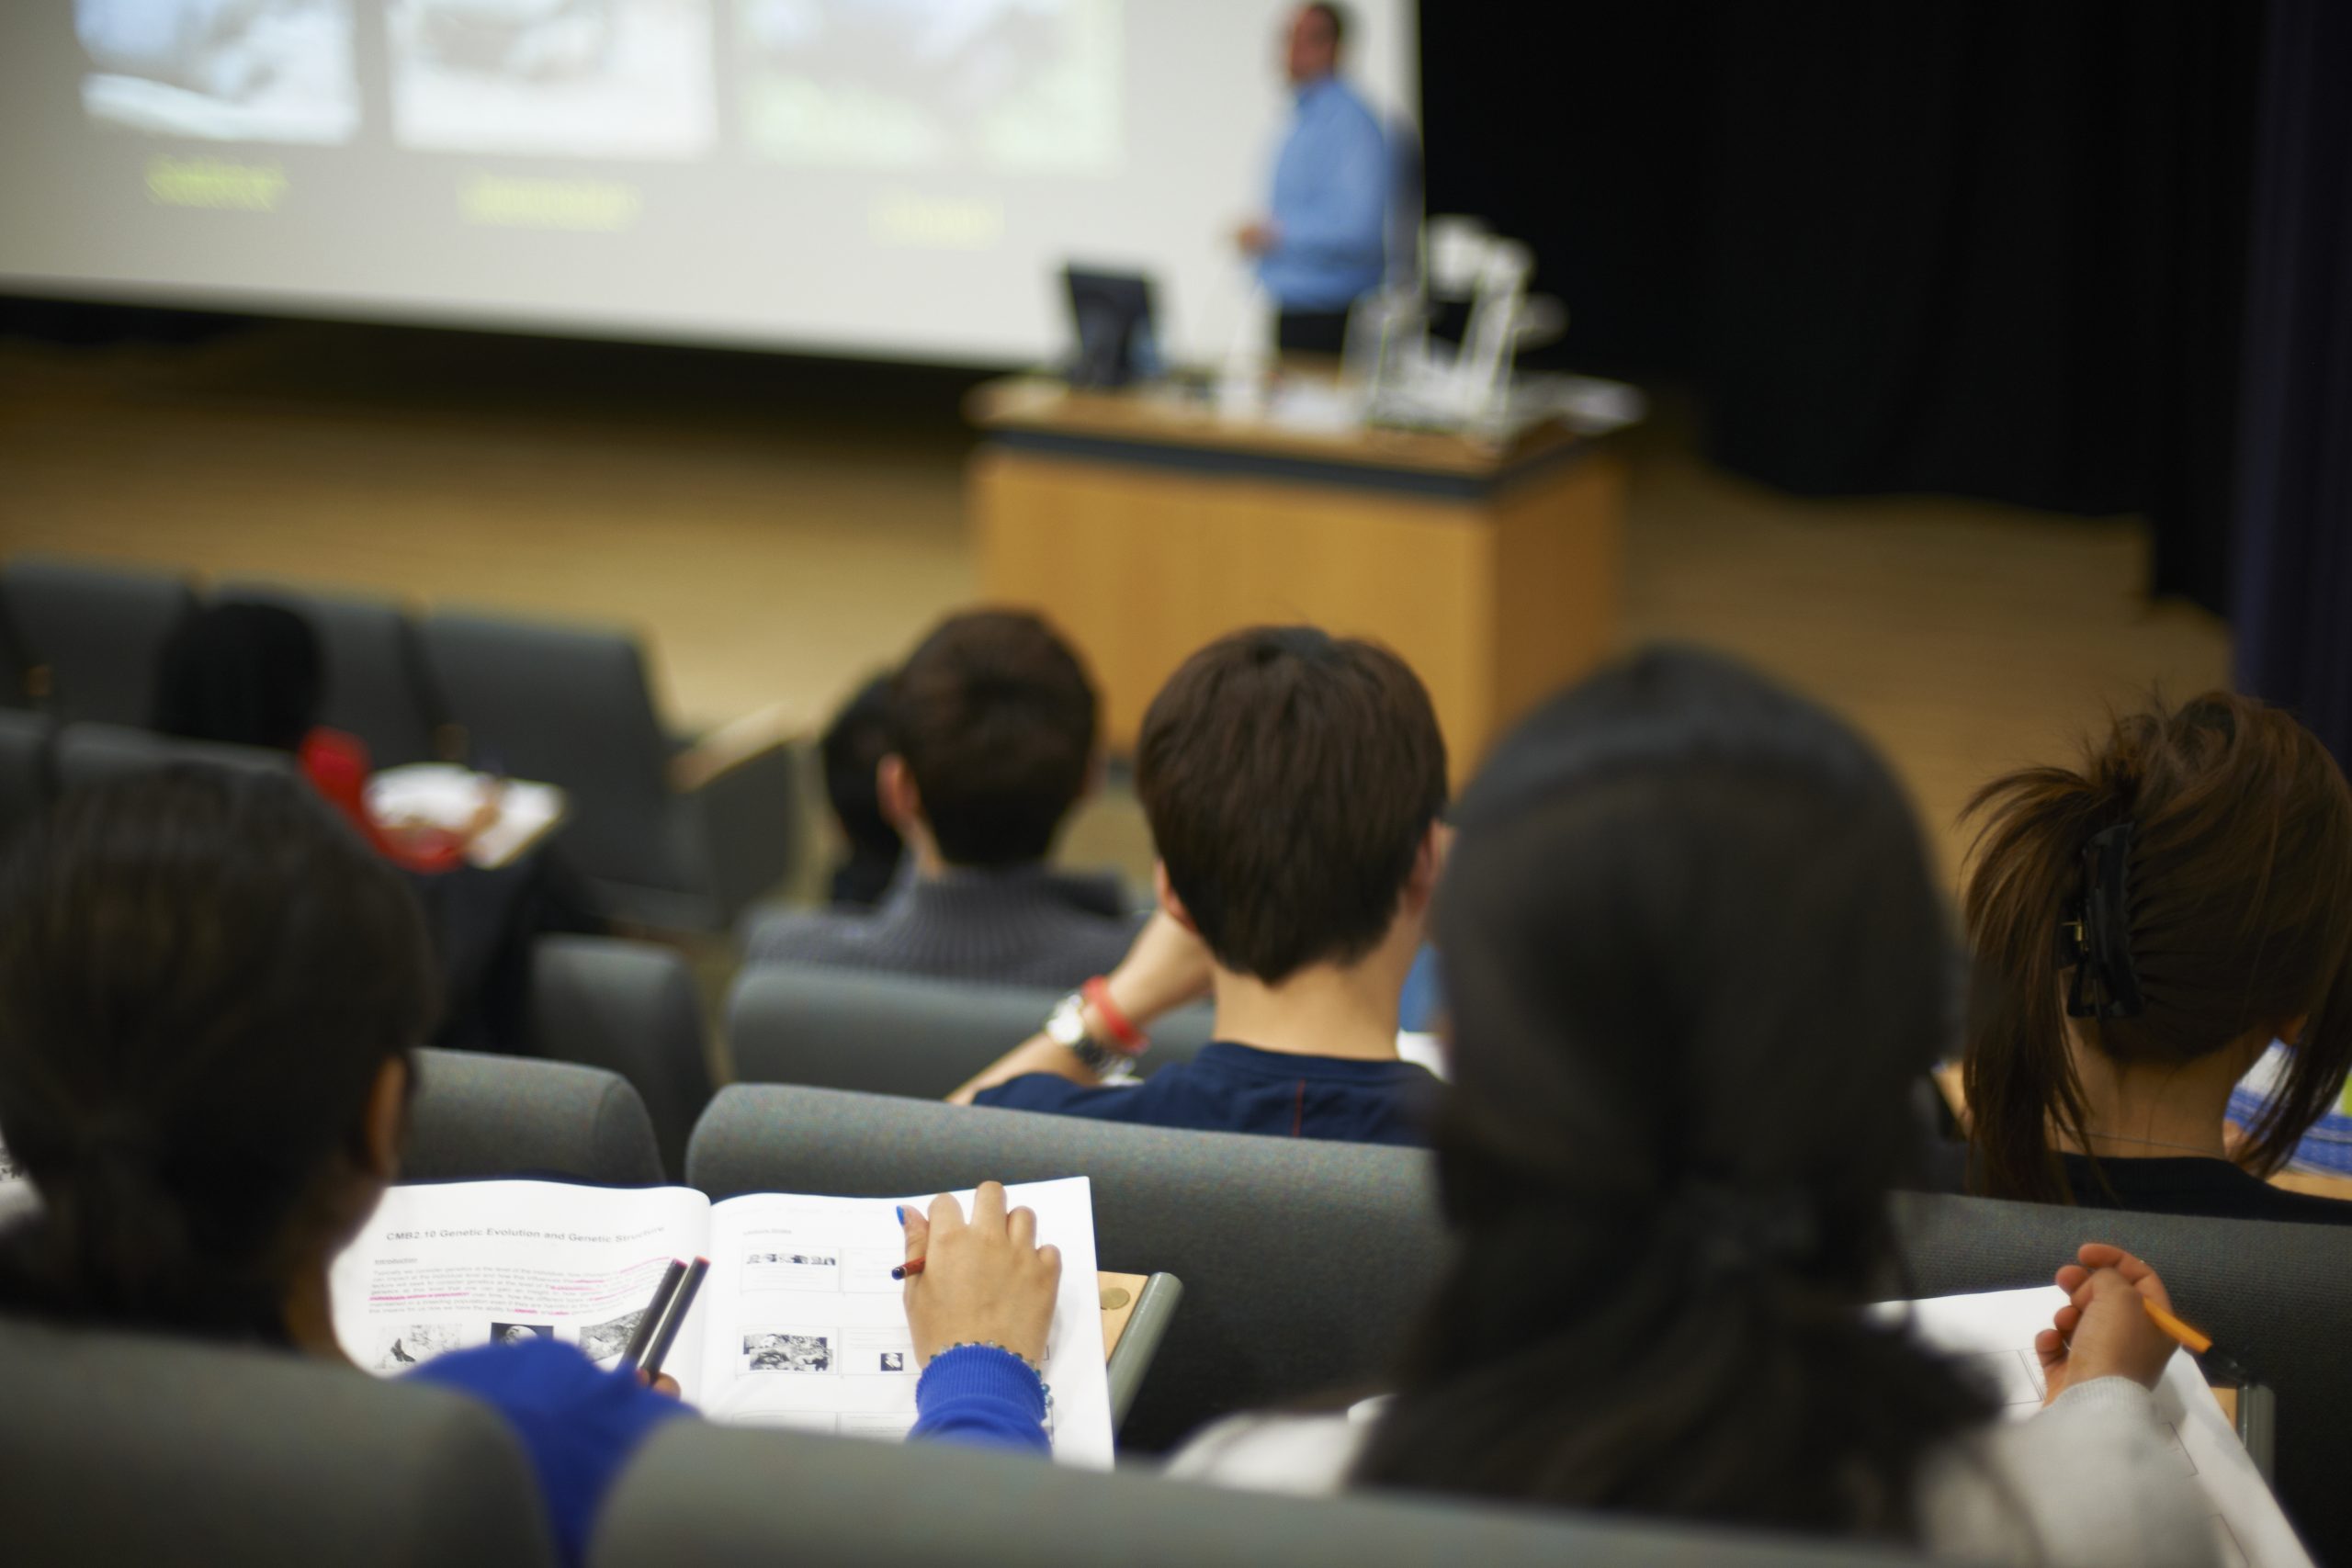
[1309, 1455]
[2091, 1481]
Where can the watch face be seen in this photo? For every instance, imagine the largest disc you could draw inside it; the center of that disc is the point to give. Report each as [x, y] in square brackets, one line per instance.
[1066, 1026]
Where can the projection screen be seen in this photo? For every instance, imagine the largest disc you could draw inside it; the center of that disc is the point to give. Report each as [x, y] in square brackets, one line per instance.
[900, 178]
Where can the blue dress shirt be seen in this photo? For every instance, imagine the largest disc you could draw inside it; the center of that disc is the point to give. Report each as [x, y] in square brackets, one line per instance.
[1330, 203]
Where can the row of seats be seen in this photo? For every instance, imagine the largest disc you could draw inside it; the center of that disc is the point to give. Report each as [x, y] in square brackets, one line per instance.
[130, 1450]
[673, 836]
[1302, 1262]
[632, 1008]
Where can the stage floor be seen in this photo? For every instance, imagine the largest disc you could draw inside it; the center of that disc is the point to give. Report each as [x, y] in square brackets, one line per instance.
[777, 530]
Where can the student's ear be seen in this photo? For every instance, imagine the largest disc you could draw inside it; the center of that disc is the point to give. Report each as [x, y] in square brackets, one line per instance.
[1098, 773]
[385, 1121]
[1428, 864]
[1165, 891]
[895, 791]
[2291, 1033]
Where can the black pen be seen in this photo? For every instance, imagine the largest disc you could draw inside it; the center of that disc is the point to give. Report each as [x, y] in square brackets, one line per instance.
[650, 1318]
[682, 1304]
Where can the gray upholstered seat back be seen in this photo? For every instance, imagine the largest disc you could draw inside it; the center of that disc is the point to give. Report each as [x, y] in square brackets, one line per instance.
[376, 682]
[475, 1117]
[2277, 1296]
[24, 769]
[707, 1495]
[630, 1007]
[883, 1034]
[117, 1449]
[572, 707]
[97, 629]
[89, 752]
[1301, 1261]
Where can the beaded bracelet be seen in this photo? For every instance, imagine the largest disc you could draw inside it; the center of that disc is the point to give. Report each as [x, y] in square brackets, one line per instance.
[1034, 1370]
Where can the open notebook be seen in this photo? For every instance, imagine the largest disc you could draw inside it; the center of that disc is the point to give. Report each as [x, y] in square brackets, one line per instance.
[798, 1324]
[1995, 1330]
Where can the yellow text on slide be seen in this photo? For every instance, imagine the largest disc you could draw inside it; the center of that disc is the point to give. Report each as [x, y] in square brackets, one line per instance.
[506, 201]
[934, 223]
[216, 183]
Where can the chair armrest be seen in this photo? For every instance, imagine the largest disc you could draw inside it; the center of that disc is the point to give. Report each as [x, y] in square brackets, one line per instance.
[1140, 1345]
[748, 818]
[734, 745]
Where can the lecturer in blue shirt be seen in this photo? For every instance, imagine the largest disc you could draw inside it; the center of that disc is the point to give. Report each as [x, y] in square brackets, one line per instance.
[1322, 243]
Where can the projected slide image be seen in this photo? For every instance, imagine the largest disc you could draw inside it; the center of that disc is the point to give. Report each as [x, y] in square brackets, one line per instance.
[221, 69]
[1012, 85]
[586, 78]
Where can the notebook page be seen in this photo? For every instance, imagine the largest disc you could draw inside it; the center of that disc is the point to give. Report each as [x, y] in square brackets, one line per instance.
[805, 1329]
[1995, 1330]
[443, 1266]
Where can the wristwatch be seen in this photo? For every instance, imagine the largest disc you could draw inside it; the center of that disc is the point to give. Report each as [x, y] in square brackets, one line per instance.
[1065, 1027]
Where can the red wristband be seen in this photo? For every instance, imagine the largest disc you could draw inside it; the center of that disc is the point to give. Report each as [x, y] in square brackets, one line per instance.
[1130, 1041]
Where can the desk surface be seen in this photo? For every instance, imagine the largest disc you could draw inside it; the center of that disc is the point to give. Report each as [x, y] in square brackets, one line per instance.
[1041, 406]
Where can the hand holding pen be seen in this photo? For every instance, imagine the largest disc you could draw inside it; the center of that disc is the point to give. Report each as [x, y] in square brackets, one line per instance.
[981, 1280]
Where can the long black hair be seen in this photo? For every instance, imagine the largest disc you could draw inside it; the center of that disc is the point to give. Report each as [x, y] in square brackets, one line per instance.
[201, 975]
[1694, 964]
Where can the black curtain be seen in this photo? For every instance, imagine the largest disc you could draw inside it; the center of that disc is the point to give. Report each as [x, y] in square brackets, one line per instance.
[1983, 247]
[2293, 614]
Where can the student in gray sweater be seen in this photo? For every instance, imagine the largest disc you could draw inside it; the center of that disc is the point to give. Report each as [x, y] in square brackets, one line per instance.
[1695, 960]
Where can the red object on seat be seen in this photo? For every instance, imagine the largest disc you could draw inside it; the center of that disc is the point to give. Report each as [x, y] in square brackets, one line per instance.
[336, 765]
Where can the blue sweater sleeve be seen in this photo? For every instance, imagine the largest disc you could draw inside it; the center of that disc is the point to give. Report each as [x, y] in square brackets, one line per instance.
[982, 1396]
[578, 1424]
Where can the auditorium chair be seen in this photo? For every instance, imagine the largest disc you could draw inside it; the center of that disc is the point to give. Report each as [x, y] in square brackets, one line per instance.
[24, 769]
[1303, 1261]
[88, 752]
[127, 1448]
[630, 1007]
[674, 837]
[883, 1033]
[376, 684]
[17, 665]
[2275, 1296]
[734, 1499]
[476, 1117]
[94, 634]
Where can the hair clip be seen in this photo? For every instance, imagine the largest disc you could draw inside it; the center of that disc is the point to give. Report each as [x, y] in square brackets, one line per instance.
[2097, 939]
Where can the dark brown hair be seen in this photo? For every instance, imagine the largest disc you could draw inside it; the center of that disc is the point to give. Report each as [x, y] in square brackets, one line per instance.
[1290, 777]
[2238, 918]
[995, 717]
[202, 972]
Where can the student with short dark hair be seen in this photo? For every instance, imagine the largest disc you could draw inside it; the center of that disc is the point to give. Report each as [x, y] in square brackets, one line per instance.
[852, 749]
[992, 730]
[209, 993]
[1694, 961]
[2144, 928]
[1293, 781]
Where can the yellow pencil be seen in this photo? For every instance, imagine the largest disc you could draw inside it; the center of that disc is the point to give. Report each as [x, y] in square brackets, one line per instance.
[2197, 1342]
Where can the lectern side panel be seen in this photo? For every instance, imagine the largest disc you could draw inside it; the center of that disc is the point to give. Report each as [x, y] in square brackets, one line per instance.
[1142, 564]
[1559, 565]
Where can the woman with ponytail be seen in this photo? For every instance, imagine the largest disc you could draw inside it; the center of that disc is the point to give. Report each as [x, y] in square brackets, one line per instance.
[1695, 963]
[2143, 930]
[209, 991]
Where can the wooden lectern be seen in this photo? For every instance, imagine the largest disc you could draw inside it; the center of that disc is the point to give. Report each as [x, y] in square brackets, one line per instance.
[1144, 524]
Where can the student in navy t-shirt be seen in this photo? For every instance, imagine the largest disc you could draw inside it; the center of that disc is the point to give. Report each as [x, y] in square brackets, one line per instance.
[209, 988]
[1294, 783]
